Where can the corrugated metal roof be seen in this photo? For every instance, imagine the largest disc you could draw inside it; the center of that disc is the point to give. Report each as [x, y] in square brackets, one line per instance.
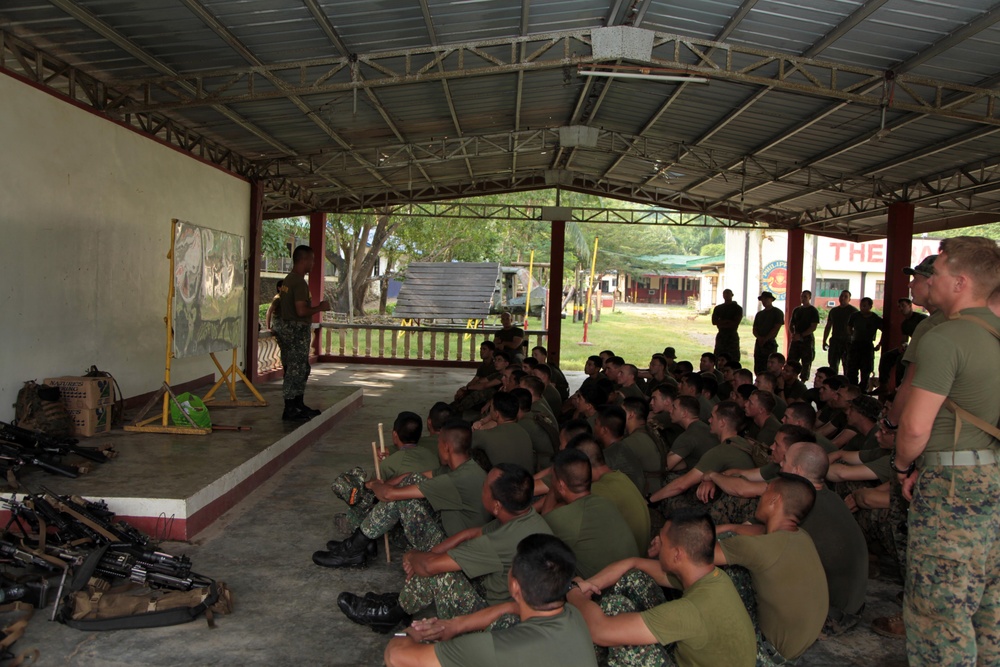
[356, 101]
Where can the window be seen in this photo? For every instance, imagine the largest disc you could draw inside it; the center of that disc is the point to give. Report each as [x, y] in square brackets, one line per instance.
[879, 290]
[827, 288]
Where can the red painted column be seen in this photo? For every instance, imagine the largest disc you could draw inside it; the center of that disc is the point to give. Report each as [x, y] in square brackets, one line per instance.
[317, 279]
[899, 248]
[793, 289]
[253, 280]
[554, 313]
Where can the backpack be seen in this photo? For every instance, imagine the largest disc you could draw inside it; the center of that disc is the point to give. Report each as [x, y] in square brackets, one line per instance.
[38, 408]
[93, 604]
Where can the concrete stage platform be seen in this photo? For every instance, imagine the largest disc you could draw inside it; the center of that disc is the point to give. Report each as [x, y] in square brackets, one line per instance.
[174, 486]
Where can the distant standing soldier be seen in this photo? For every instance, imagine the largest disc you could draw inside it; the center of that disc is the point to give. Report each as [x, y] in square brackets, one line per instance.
[727, 316]
[292, 329]
[952, 596]
[766, 324]
[805, 319]
[836, 336]
[864, 325]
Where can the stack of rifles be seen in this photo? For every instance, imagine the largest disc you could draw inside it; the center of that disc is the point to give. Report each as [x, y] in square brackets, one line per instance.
[20, 447]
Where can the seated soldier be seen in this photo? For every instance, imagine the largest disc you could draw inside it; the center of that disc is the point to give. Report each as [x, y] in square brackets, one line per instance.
[428, 506]
[709, 623]
[693, 385]
[695, 439]
[863, 413]
[869, 466]
[507, 442]
[616, 487]
[473, 400]
[708, 366]
[609, 429]
[837, 429]
[786, 576]
[763, 425]
[549, 633]
[549, 391]
[543, 432]
[731, 452]
[657, 374]
[592, 369]
[769, 382]
[791, 385]
[539, 405]
[645, 443]
[443, 576]
[439, 415]
[409, 457]
[486, 372]
[627, 385]
[590, 525]
[661, 404]
[804, 415]
[540, 354]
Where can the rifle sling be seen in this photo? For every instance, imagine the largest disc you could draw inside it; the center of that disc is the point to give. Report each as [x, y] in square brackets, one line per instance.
[63, 507]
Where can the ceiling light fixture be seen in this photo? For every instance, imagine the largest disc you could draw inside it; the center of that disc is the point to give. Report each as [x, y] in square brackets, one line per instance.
[646, 73]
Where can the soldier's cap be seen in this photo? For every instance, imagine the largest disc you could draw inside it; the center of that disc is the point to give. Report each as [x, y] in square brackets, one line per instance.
[765, 295]
[669, 353]
[925, 268]
[867, 406]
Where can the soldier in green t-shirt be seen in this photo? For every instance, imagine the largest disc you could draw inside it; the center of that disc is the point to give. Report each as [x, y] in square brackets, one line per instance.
[727, 317]
[836, 336]
[804, 320]
[695, 437]
[766, 324]
[507, 442]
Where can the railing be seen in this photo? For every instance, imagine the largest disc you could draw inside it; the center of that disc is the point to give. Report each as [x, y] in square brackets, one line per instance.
[371, 343]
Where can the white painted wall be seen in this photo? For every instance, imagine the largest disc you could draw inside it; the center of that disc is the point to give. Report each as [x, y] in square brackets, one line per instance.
[85, 210]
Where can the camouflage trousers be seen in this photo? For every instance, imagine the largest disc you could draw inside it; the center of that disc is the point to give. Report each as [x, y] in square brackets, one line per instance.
[732, 509]
[293, 342]
[418, 520]
[803, 351]
[727, 341]
[473, 400]
[634, 592]
[952, 604]
[451, 593]
[350, 487]
[898, 509]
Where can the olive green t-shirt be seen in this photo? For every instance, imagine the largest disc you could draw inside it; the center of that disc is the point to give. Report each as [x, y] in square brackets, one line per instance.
[842, 550]
[541, 440]
[541, 406]
[294, 288]
[595, 531]
[554, 641]
[552, 398]
[767, 319]
[619, 489]
[412, 459]
[767, 432]
[649, 458]
[632, 391]
[506, 443]
[620, 457]
[961, 360]
[693, 443]
[838, 317]
[936, 318]
[709, 624]
[458, 496]
[734, 453]
[490, 555]
[790, 585]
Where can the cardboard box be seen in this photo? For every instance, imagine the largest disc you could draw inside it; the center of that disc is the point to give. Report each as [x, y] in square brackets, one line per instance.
[84, 392]
[90, 421]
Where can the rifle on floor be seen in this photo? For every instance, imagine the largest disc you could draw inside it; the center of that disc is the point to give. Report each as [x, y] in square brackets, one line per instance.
[47, 445]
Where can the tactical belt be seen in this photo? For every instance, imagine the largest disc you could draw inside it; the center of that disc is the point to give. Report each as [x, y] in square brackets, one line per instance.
[971, 457]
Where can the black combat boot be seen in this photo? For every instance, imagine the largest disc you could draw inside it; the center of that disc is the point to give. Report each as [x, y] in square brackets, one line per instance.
[339, 545]
[312, 412]
[353, 552]
[381, 613]
[293, 413]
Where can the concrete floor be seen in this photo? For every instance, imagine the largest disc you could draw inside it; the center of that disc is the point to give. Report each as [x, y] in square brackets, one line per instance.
[285, 607]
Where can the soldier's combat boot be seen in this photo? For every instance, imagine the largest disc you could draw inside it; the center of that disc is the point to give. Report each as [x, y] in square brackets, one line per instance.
[337, 546]
[293, 413]
[381, 613]
[312, 412]
[353, 552]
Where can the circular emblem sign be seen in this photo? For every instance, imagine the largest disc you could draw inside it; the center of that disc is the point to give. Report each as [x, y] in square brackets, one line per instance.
[774, 278]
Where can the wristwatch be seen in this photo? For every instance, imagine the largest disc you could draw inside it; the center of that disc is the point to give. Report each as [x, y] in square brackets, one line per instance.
[910, 468]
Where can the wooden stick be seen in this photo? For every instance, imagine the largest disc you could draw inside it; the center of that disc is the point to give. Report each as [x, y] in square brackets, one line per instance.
[378, 476]
[381, 438]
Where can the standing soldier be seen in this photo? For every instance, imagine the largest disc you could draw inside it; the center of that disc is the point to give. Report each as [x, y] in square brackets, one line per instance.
[805, 319]
[951, 607]
[864, 325]
[766, 324]
[292, 329]
[836, 324]
[727, 317]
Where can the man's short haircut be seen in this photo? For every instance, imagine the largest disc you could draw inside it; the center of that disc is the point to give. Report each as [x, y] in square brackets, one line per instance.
[541, 349]
[797, 494]
[777, 355]
[710, 356]
[458, 434]
[502, 354]
[408, 426]
[279, 284]
[794, 365]
[867, 406]
[810, 459]
[826, 371]
[533, 384]
[523, 397]
[439, 415]
[805, 291]
[543, 568]
[589, 446]
[608, 353]
[517, 376]
[684, 367]
[709, 385]
[732, 413]
[596, 360]
[530, 362]
[904, 300]
[666, 390]
[593, 396]
[746, 391]
[695, 381]
[693, 530]
[768, 379]
[744, 375]
[575, 427]
[689, 405]
[489, 345]
[545, 370]
[796, 433]
[631, 369]
[616, 361]
[572, 467]
[513, 488]
[766, 399]
[301, 252]
[612, 417]
[867, 300]
[724, 356]
[659, 357]
[796, 392]
[801, 412]
[636, 406]
[976, 256]
[834, 383]
[852, 391]
[505, 405]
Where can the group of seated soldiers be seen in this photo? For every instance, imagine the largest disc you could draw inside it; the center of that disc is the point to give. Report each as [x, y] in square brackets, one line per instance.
[528, 515]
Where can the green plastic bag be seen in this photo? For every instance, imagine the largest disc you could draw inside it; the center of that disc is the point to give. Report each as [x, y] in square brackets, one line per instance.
[195, 409]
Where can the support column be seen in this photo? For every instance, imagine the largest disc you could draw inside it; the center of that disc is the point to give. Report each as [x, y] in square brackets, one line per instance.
[554, 313]
[793, 288]
[899, 248]
[253, 280]
[317, 279]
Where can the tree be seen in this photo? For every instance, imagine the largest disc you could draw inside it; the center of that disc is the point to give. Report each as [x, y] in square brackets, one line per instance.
[354, 242]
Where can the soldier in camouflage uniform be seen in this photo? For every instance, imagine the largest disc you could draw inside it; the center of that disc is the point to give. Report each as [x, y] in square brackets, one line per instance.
[951, 607]
[291, 325]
